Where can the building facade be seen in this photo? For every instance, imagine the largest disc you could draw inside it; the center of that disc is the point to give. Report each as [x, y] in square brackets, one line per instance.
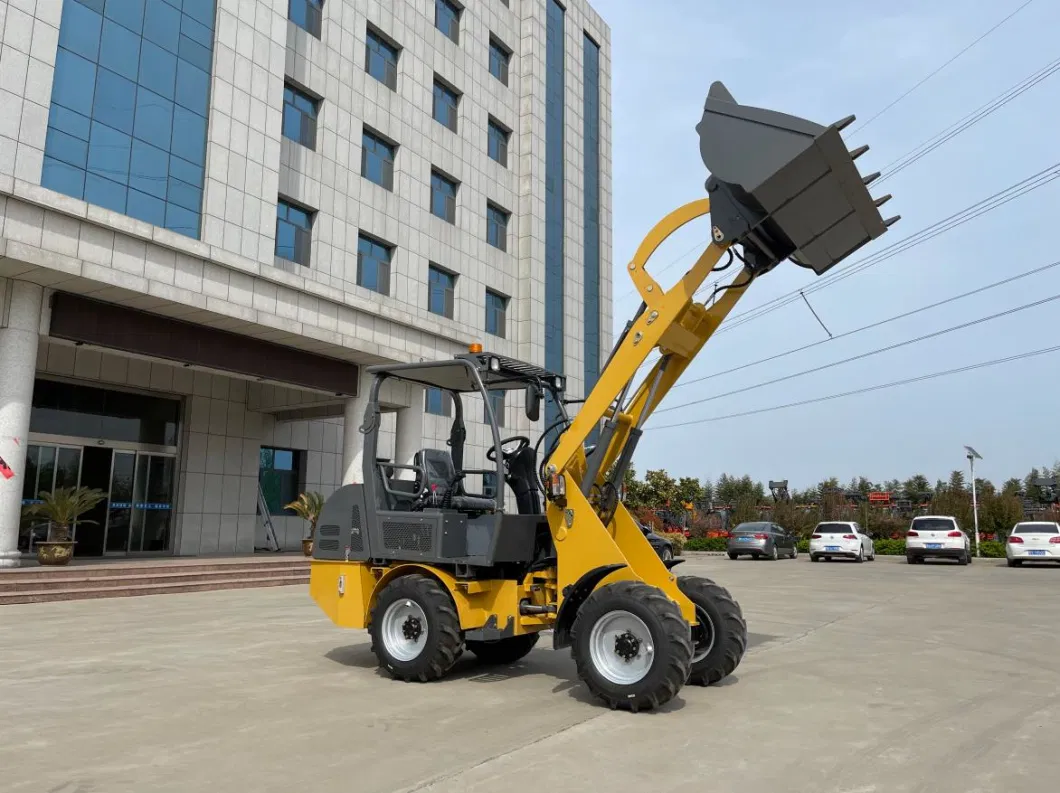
[214, 214]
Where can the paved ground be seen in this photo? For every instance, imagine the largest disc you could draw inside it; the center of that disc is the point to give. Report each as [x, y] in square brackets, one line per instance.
[873, 677]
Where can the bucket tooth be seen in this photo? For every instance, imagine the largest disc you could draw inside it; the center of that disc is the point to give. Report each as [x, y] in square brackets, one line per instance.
[783, 187]
[844, 123]
[879, 202]
[872, 177]
[891, 221]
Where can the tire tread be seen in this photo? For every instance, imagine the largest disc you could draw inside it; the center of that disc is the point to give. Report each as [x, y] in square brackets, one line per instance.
[435, 599]
[732, 631]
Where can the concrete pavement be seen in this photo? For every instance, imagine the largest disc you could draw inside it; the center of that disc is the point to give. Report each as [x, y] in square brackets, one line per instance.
[872, 677]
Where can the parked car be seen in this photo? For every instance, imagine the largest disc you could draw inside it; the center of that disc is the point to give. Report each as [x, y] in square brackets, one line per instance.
[1033, 541]
[936, 536]
[762, 540]
[838, 539]
[662, 546]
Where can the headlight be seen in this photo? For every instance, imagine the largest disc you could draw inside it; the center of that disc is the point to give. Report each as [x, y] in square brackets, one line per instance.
[495, 365]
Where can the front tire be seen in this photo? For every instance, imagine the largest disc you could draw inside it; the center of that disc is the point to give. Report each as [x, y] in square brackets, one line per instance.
[503, 651]
[632, 647]
[795, 552]
[667, 554]
[774, 555]
[861, 556]
[415, 629]
[732, 556]
[720, 640]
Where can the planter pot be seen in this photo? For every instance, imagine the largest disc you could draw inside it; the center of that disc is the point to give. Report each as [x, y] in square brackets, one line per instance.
[55, 553]
[307, 547]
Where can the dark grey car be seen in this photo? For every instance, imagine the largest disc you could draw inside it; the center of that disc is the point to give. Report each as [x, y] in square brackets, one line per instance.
[761, 540]
[660, 545]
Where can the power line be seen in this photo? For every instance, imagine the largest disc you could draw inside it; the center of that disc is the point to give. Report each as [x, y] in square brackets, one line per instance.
[940, 68]
[880, 387]
[698, 246]
[873, 325]
[864, 355]
[925, 234]
[949, 133]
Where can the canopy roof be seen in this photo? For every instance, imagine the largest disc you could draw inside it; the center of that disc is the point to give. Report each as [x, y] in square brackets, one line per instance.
[497, 373]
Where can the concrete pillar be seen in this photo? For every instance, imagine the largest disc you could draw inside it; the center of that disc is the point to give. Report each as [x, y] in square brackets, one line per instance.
[409, 434]
[352, 439]
[19, 335]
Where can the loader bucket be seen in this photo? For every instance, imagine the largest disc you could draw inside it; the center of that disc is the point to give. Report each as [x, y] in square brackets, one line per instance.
[781, 186]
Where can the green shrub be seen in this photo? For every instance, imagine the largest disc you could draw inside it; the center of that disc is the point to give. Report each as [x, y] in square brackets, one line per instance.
[677, 539]
[992, 549]
[890, 547]
[707, 544]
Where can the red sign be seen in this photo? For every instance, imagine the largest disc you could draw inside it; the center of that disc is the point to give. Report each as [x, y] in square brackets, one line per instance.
[5, 470]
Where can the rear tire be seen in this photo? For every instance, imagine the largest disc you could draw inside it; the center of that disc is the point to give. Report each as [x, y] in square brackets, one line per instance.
[774, 555]
[861, 556]
[909, 559]
[814, 558]
[732, 556]
[720, 642]
[964, 559]
[667, 555]
[795, 552]
[503, 651]
[632, 647]
[415, 629]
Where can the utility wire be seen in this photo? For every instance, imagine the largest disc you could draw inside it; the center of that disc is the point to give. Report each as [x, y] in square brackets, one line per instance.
[940, 68]
[864, 355]
[880, 387]
[949, 133]
[697, 247]
[881, 322]
[925, 234]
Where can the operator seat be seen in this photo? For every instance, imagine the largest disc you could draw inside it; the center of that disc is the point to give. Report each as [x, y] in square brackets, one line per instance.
[440, 472]
[522, 478]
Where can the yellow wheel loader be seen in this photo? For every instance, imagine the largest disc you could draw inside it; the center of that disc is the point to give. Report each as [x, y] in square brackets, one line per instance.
[432, 569]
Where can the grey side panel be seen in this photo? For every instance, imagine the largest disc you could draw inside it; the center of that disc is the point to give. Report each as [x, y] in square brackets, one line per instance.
[341, 526]
[408, 536]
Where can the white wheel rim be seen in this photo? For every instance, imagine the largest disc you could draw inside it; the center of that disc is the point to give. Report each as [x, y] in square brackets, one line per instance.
[621, 648]
[404, 630]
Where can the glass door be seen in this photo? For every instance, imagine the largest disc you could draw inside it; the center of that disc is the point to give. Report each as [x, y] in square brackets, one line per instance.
[153, 503]
[47, 467]
[120, 502]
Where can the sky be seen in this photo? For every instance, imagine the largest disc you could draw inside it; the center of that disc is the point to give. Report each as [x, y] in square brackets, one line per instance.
[823, 60]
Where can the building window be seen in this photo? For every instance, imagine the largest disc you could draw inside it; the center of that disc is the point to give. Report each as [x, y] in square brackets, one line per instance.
[591, 207]
[496, 313]
[306, 14]
[500, 56]
[281, 474]
[373, 264]
[380, 60]
[377, 159]
[437, 402]
[497, 146]
[441, 291]
[127, 120]
[497, 227]
[447, 18]
[497, 401]
[446, 101]
[443, 197]
[555, 200]
[300, 116]
[294, 232]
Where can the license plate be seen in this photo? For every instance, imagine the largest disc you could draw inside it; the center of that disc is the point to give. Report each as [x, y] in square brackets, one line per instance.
[934, 545]
[831, 548]
[746, 539]
[1036, 553]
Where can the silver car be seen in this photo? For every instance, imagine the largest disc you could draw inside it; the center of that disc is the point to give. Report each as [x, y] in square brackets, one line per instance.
[761, 540]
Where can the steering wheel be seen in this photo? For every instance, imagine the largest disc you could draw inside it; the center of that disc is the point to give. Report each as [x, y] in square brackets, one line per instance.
[491, 455]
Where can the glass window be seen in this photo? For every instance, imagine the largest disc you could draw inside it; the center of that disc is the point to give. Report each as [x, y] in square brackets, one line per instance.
[132, 81]
[438, 402]
[497, 227]
[294, 230]
[300, 116]
[443, 197]
[446, 101]
[497, 401]
[281, 474]
[380, 60]
[499, 58]
[85, 411]
[447, 18]
[555, 201]
[373, 264]
[497, 145]
[441, 290]
[591, 208]
[306, 14]
[377, 159]
[496, 311]
[1036, 528]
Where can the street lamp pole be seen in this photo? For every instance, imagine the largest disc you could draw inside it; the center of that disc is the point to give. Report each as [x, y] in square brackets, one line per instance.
[973, 455]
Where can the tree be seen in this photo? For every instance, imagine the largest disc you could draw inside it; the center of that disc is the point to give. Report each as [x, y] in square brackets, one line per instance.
[892, 486]
[660, 488]
[689, 489]
[956, 481]
[708, 490]
[729, 489]
[636, 492]
[1011, 487]
[915, 485]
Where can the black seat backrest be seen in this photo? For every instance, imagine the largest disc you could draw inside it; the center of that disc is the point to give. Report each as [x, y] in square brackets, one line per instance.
[522, 477]
[440, 470]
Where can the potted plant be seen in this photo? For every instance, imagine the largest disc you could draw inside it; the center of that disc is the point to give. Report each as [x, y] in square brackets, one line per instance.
[61, 508]
[308, 508]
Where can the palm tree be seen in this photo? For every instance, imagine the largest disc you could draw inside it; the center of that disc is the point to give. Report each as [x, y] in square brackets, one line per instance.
[308, 508]
[62, 508]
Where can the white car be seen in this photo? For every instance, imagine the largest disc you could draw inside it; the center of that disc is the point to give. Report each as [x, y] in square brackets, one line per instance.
[936, 536]
[835, 539]
[1033, 541]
